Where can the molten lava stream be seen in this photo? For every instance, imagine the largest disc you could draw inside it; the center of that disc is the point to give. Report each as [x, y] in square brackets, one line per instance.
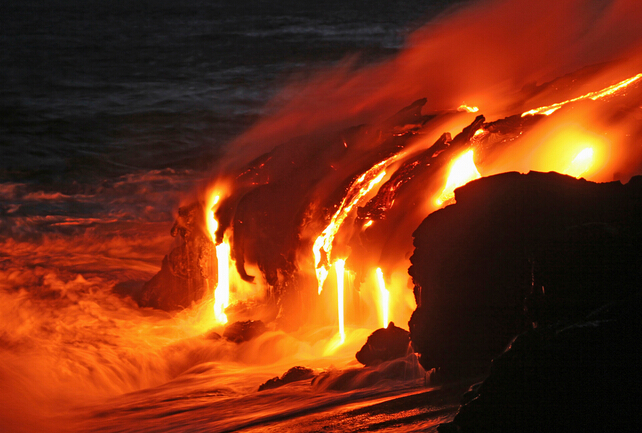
[222, 292]
[322, 248]
[339, 267]
[462, 171]
[385, 298]
[608, 91]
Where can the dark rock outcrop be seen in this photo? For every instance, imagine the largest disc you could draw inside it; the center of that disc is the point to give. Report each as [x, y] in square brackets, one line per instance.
[562, 246]
[572, 378]
[384, 344]
[294, 374]
[238, 332]
[399, 369]
[185, 271]
[296, 185]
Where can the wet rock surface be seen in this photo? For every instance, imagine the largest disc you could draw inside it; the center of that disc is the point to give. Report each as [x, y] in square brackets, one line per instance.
[238, 332]
[406, 368]
[294, 374]
[551, 244]
[384, 344]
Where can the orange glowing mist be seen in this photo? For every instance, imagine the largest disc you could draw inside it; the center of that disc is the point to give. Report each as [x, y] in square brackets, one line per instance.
[572, 150]
[550, 109]
[385, 297]
[357, 190]
[462, 171]
[339, 267]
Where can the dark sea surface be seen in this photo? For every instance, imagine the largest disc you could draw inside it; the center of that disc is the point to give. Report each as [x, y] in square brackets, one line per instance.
[95, 89]
[91, 91]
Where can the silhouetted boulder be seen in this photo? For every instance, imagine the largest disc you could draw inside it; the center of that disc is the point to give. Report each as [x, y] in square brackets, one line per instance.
[402, 369]
[186, 269]
[213, 335]
[294, 374]
[572, 378]
[383, 345]
[238, 332]
[559, 246]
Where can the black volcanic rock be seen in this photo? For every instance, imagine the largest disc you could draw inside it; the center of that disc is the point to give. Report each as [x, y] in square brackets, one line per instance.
[384, 344]
[294, 374]
[186, 269]
[572, 378]
[561, 246]
[238, 332]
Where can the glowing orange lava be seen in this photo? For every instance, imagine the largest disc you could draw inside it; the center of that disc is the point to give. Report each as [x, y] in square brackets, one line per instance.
[339, 267]
[550, 109]
[582, 162]
[462, 171]
[357, 190]
[212, 224]
[385, 297]
[464, 107]
[222, 291]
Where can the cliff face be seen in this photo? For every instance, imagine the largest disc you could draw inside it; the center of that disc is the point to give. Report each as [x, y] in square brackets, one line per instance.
[186, 269]
[516, 251]
[573, 378]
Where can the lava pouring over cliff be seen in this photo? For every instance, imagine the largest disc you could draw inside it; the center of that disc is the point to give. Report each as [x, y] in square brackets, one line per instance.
[297, 247]
[372, 201]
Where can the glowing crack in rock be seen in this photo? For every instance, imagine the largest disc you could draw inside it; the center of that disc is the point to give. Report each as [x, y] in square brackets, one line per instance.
[550, 109]
[322, 249]
[385, 297]
[479, 132]
[462, 171]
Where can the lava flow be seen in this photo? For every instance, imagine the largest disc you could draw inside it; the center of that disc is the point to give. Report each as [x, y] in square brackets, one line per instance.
[358, 190]
[462, 171]
[337, 177]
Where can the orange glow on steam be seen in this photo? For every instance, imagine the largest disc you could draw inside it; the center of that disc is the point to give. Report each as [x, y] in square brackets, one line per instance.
[574, 151]
[581, 163]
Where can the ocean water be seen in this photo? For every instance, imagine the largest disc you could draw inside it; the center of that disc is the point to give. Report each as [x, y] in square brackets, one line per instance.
[93, 92]
[112, 114]
[120, 86]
